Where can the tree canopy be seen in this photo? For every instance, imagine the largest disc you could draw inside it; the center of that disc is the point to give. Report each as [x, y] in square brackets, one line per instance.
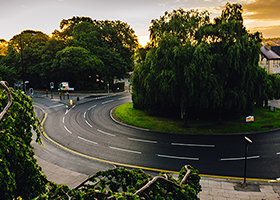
[108, 47]
[201, 68]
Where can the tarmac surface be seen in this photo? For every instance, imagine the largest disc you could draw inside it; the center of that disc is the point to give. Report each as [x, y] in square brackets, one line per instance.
[213, 188]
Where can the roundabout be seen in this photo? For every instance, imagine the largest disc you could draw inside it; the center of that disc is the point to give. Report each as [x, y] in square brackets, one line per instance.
[88, 130]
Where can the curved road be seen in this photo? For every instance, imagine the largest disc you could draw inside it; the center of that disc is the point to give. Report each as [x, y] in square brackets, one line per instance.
[88, 129]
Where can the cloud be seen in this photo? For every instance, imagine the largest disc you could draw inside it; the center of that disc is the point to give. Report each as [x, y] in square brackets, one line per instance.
[267, 31]
[265, 10]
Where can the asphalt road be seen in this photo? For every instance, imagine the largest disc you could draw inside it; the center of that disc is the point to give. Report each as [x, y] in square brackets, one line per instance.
[88, 129]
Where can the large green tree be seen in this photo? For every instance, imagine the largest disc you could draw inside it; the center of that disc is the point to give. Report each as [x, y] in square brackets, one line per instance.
[76, 65]
[201, 68]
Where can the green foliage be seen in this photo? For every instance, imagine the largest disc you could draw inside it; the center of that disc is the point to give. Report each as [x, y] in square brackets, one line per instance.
[108, 49]
[120, 183]
[19, 173]
[201, 68]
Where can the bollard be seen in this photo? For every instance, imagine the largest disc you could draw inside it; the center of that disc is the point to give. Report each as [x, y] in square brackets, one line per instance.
[71, 102]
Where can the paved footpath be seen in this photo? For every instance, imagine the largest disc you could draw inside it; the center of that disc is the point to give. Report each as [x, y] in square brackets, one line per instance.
[212, 188]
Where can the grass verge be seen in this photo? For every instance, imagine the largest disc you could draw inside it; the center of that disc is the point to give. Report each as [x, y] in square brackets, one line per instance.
[264, 120]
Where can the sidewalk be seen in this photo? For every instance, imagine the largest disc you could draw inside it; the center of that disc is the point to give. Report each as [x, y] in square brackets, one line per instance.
[212, 188]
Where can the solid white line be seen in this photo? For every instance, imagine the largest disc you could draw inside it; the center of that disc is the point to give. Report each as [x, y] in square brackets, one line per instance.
[67, 130]
[105, 133]
[193, 145]
[85, 114]
[176, 157]
[107, 101]
[63, 119]
[130, 151]
[123, 98]
[87, 140]
[241, 158]
[91, 107]
[139, 140]
[88, 123]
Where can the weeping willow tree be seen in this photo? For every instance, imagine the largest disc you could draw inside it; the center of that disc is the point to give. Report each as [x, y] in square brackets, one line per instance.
[200, 68]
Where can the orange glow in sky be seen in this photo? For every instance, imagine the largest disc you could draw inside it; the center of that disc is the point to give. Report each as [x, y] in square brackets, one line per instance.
[45, 16]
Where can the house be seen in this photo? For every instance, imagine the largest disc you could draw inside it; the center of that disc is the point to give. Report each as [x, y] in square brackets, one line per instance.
[270, 60]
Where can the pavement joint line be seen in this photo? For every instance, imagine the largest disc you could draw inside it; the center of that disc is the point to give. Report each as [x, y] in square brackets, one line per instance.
[146, 168]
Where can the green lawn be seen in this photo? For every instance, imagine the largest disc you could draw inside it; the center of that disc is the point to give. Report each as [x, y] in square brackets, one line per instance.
[264, 120]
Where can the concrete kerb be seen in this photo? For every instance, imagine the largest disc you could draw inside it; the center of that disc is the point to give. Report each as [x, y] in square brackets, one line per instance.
[233, 180]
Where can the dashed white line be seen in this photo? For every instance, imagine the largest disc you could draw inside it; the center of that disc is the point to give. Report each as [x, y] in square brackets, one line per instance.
[105, 133]
[67, 130]
[107, 101]
[193, 145]
[241, 158]
[126, 150]
[278, 153]
[87, 140]
[88, 123]
[92, 107]
[85, 114]
[140, 140]
[177, 157]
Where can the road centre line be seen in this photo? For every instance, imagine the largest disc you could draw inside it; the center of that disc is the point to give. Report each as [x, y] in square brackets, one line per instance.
[91, 107]
[177, 157]
[105, 133]
[241, 158]
[88, 123]
[194, 145]
[85, 114]
[107, 101]
[130, 151]
[140, 140]
[67, 130]
[87, 140]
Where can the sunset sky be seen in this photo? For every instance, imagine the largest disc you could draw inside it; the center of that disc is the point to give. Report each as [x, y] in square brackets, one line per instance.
[45, 16]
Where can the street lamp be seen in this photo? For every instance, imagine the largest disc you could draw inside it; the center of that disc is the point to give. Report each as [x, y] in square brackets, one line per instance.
[248, 141]
[25, 82]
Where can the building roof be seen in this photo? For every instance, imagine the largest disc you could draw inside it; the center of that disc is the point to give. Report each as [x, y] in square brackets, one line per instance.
[269, 54]
[276, 49]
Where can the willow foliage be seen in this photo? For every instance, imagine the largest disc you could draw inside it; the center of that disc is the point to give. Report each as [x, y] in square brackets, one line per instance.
[201, 68]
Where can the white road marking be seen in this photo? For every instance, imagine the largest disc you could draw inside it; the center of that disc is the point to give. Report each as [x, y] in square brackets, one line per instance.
[87, 140]
[123, 98]
[67, 130]
[177, 157]
[85, 114]
[88, 123]
[63, 119]
[194, 145]
[139, 140]
[278, 153]
[105, 133]
[241, 158]
[107, 101]
[130, 151]
[91, 107]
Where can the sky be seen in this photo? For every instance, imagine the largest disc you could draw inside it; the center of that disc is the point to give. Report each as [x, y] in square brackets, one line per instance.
[46, 15]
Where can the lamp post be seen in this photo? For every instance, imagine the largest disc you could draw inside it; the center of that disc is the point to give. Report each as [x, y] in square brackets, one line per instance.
[248, 141]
